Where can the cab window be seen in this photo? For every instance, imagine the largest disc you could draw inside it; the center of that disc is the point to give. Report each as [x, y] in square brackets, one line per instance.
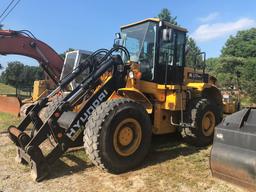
[180, 44]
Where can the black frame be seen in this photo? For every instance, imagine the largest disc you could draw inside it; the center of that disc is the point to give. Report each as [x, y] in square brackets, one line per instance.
[173, 74]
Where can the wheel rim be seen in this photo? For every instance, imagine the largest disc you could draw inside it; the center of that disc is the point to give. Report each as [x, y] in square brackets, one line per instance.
[208, 123]
[127, 137]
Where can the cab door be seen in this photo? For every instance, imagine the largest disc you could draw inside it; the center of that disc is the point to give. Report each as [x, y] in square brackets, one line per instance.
[170, 65]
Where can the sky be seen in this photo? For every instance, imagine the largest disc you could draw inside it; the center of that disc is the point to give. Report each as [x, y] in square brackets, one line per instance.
[91, 24]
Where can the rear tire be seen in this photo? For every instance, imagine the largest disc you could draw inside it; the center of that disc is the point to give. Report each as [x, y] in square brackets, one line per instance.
[117, 136]
[205, 116]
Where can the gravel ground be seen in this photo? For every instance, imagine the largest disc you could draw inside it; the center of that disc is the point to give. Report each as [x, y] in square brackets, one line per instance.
[170, 166]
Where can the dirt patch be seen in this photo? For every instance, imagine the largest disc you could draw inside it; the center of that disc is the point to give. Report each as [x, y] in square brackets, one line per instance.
[9, 105]
[170, 166]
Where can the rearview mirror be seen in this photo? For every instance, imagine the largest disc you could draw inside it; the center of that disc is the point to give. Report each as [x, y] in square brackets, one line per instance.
[118, 36]
[118, 39]
[167, 34]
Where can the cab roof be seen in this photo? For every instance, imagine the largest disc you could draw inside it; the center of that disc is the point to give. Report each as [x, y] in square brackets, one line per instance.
[157, 20]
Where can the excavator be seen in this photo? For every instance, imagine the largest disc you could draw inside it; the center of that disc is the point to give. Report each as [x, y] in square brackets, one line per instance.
[139, 87]
[26, 44]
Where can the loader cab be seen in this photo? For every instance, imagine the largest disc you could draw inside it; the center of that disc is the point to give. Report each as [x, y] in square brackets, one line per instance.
[159, 49]
[72, 61]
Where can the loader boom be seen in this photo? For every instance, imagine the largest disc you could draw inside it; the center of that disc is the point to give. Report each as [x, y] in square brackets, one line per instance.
[66, 135]
[24, 43]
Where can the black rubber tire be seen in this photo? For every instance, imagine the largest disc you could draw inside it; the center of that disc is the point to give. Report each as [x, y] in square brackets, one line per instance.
[200, 107]
[98, 135]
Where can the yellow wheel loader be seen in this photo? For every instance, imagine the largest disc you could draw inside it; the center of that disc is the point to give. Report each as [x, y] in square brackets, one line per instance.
[138, 88]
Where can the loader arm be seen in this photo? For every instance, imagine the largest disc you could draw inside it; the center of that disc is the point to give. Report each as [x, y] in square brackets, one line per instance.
[23, 43]
[66, 135]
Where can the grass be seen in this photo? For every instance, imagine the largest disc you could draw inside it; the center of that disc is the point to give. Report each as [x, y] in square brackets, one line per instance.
[246, 101]
[6, 120]
[7, 90]
[172, 165]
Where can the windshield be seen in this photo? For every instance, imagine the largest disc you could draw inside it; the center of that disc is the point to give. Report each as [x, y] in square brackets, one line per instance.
[69, 64]
[140, 41]
[86, 72]
[74, 59]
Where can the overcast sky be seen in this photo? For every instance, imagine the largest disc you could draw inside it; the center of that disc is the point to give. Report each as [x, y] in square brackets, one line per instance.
[91, 24]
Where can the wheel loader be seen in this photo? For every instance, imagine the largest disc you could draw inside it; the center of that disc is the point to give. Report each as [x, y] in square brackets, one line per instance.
[139, 87]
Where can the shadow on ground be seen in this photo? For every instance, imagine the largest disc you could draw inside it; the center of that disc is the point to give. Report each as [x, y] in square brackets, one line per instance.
[170, 146]
[163, 148]
[62, 168]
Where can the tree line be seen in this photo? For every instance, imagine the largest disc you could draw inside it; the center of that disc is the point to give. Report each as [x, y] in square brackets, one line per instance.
[19, 75]
[237, 63]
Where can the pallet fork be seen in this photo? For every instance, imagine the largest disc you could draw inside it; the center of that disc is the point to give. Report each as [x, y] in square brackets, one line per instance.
[66, 135]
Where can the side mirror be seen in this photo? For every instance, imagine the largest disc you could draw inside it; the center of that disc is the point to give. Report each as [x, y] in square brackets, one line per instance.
[118, 39]
[118, 36]
[167, 34]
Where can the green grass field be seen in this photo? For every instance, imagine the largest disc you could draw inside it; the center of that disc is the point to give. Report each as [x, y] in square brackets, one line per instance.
[246, 101]
[6, 120]
[7, 90]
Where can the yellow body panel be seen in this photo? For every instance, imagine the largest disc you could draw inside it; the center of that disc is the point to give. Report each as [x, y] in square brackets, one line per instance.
[171, 97]
[175, 101]
[162, 123]
[199, 86]
[155, 20]
[142, 21]
[40, 89]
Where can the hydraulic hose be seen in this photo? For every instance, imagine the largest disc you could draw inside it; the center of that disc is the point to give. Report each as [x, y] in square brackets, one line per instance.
[78, 70]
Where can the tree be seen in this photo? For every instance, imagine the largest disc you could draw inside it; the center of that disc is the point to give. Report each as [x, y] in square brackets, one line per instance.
[1, 67]
[64, 54]
[248, 78]
[243, 44]
[193, 50]
[225, 68]
[165, 15]
[19, 75]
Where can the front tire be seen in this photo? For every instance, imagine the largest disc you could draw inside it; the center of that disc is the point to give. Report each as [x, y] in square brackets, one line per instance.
[117, 136]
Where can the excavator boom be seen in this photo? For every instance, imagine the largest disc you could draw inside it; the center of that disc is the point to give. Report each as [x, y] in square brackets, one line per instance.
[24, 43]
